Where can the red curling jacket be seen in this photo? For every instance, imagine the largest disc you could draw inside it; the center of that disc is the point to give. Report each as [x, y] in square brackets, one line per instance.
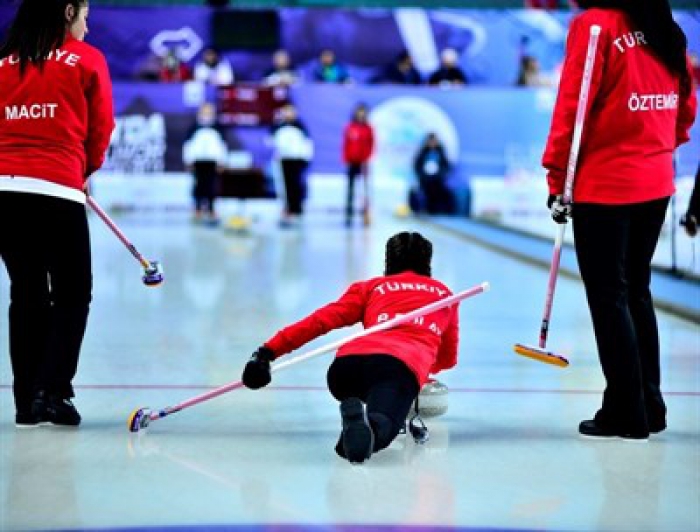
[358, 142]
[56, 121]
[637, 115]
[426, 346]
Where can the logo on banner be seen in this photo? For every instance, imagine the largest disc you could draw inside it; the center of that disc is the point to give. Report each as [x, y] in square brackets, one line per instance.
[185, 41]
[137, 145]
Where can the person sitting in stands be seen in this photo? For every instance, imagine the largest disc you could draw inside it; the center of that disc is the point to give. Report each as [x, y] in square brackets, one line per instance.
[329, 70]
[400, 71]
[172, 69]
[449, 72]
[282, 72]
[213, 69]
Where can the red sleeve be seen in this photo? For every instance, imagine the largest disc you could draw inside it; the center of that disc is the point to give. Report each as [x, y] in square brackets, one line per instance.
[556, 154]
[100, 115]
[687, 109]
[347, 310]
[449, 342]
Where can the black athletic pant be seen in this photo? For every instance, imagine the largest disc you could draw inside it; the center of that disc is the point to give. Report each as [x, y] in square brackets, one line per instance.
[293, 174]
[204, 186]
[614, 246]
[45, 246]
[354, 170]
[438, 196]
[384, 383]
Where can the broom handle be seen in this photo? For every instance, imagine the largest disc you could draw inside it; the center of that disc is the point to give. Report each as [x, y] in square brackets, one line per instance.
[107, 220]
[570, 173]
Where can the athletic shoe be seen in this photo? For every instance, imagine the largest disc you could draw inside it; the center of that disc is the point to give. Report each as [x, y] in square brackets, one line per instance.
[357, 435]
[655, 428]
[26, 420]
[591, 429]
[56, 410]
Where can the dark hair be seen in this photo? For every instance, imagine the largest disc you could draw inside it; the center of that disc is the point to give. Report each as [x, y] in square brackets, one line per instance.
[38, 28]
[663, 34]
[408, 251]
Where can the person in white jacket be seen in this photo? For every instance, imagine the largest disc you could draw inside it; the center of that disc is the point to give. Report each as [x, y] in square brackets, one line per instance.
[213, 69]
[293, 151]
[204, 154]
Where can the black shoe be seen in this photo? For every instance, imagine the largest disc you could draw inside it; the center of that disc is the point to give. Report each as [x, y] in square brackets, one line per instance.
[591, 429]
[655, 428]
[56, 410]
[357, 435]
[339, 449]
[27, 420]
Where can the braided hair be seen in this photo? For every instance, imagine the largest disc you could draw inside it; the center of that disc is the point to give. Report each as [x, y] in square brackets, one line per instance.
[408, 251]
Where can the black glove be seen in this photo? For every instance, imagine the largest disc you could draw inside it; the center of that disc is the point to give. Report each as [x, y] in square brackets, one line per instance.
[257, 371]
[690, 223]
[560, 212]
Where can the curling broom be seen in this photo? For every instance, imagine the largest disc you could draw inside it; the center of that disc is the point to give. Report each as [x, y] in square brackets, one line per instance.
[541, 353]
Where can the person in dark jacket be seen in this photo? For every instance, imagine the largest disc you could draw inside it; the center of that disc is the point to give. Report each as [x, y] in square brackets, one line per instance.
[449, 73]
[400, 71]
[432, 168]
[692, 216]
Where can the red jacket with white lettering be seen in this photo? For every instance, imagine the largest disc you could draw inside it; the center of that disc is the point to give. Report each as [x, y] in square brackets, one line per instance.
[637, 115]
[426, 348]
[56, 121]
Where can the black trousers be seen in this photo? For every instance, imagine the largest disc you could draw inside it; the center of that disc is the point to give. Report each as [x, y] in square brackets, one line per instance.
[438, 196]
[354, 170]
[205, 181]
[293, 174]
[45, 246]
[383, 383]
[614, 246]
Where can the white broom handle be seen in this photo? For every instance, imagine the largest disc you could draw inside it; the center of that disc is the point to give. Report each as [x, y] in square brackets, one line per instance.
[398, 320]
[581, 113]
[570, 173]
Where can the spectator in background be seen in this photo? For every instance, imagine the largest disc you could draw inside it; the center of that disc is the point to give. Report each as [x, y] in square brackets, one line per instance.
[400, 71]
[432, 168]
[358, 144]
[695, 66]
[172, 69]
[530, 74]
[449, 72]
[204, 154]
[213, 69]
[282, 72]
[692, 216]
[329, 70]
[293, 151]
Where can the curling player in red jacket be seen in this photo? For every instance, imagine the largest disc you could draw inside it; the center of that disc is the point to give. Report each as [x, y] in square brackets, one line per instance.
[641, 106]
[377, 377]
[56, 120]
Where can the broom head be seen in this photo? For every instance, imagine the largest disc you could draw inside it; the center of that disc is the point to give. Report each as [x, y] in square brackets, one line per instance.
[541, 354]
